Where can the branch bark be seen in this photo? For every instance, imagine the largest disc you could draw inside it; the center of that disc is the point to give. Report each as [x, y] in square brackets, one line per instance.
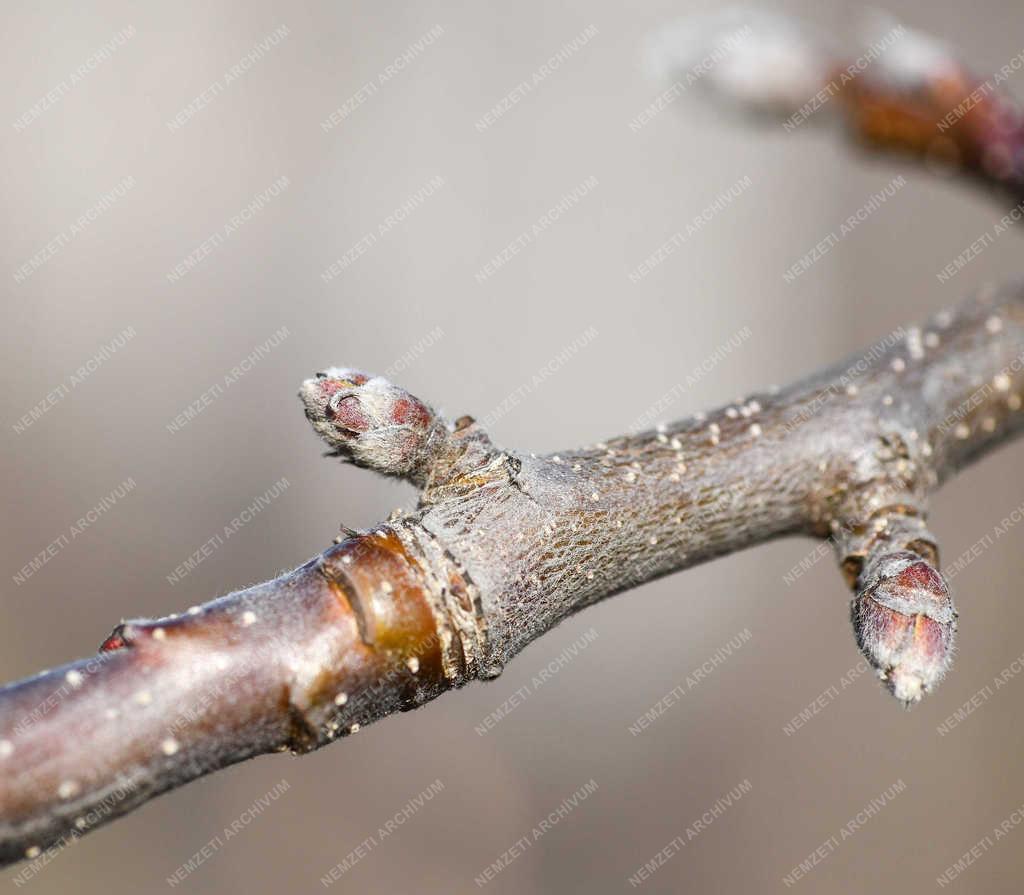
[504, 545]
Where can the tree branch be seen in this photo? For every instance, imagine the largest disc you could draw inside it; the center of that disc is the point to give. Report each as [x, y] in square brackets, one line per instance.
[503, 546]
[506, 545]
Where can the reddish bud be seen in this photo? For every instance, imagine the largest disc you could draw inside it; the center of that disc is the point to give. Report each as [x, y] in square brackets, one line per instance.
[372, 422]
[905, 623]
[114, 642]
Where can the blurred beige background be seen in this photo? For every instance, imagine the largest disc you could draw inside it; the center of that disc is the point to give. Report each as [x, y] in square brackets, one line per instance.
[343, 182]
